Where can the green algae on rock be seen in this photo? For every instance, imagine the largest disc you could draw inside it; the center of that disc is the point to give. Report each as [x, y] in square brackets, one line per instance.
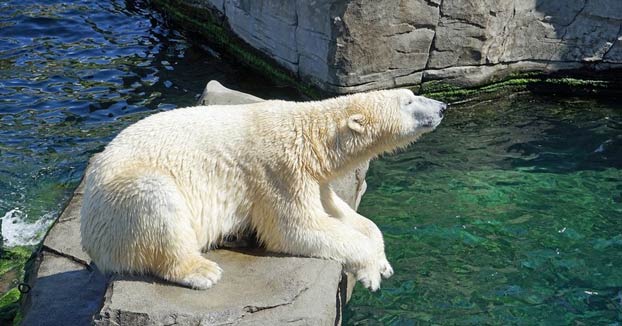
[205, 22]
[353, 46]
[12, 267]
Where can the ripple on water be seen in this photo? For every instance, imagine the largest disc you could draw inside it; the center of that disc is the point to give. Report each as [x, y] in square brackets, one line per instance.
[17, 231]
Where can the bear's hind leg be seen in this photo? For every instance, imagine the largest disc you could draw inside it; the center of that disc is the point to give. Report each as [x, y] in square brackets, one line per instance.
[193, 271]
[177, 257]
[160, 239]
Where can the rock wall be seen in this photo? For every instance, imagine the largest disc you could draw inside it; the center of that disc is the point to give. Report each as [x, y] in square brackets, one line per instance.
[355, 45]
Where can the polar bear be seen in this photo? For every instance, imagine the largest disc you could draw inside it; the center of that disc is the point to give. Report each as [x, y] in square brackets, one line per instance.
[176, 183]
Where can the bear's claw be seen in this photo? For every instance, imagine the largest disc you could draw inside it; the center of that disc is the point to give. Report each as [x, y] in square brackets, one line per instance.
[369, 279]
[385, 269]
[371, 276]
[203, 277]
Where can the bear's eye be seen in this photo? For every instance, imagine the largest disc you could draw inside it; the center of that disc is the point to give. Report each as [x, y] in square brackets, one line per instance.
[409, 102]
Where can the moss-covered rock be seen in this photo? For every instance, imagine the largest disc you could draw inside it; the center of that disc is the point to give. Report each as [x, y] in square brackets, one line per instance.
[535, 83]
[209, 26]
[9, 306]
[12, 266]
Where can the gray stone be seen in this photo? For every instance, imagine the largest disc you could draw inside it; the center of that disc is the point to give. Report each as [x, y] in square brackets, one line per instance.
[269, 26]
[348, 46]
[64, 292]
[64, 237]
[313, 39]
[216, 94]
[257, 288]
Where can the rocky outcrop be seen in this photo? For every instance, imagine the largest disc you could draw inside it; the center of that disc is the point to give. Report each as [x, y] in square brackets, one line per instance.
[257, 288]
[355, 45]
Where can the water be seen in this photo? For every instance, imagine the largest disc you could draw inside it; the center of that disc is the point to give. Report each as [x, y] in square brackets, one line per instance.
[510, 213]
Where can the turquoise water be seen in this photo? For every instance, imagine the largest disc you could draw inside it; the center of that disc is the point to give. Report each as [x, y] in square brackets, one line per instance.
[510, 213]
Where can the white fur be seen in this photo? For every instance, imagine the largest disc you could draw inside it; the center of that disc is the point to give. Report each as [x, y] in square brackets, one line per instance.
[177, 182]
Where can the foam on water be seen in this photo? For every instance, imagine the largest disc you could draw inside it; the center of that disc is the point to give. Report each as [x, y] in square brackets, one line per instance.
[17, 231]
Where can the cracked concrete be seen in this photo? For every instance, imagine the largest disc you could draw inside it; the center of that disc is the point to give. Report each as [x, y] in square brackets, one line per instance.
[347, 46]
[257, 287]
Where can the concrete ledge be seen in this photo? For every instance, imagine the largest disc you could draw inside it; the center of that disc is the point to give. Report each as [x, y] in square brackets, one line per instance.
[257, 288]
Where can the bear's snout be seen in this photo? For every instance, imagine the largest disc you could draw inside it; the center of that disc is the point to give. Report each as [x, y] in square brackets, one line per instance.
[444, 107]
[435, 106]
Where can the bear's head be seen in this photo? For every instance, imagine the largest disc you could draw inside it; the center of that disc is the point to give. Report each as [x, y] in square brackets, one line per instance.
[387, 120]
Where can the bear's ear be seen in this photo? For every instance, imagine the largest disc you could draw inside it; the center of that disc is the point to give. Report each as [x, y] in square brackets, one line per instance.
[356, 123]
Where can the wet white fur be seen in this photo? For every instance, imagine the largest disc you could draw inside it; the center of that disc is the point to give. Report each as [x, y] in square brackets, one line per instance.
[175, 183]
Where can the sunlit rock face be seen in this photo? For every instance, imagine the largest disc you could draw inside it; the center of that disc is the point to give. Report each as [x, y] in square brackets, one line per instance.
[348, 46]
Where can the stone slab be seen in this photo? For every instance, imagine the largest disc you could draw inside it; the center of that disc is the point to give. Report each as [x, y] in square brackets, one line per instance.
[256, 288]
[64, 292]
[64, 237]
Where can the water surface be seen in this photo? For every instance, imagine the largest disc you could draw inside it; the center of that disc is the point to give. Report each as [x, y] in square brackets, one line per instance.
[510, 213]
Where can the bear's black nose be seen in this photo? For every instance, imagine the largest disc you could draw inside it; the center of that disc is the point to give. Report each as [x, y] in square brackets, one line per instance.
[444, 107]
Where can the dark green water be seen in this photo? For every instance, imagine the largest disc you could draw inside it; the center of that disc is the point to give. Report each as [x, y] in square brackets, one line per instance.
[510, 213]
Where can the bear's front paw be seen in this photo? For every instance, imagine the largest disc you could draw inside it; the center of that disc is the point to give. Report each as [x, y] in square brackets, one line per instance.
[369, 277]
[203, 276]
[385, 269]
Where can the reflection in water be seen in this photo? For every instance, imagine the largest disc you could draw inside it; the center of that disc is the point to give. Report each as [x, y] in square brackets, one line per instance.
[510, 213]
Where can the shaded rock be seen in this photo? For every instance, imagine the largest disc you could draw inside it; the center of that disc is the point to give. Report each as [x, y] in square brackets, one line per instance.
[64, 292]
